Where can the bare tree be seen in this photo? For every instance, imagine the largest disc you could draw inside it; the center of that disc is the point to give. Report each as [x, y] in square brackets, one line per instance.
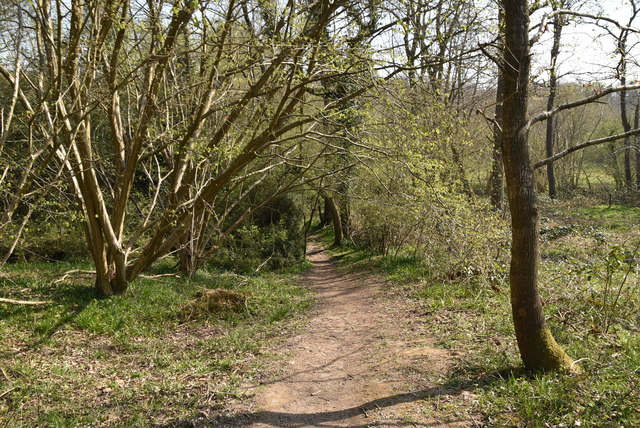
[538, 348]
[553, 87]
[623, 50]
[26, 150]
[155, 112]
[496, 178]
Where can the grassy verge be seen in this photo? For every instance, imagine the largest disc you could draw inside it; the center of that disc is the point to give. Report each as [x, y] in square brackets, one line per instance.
[132, 360]
[589, 283]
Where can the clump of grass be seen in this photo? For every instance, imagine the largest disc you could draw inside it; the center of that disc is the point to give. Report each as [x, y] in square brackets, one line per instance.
[215, 301]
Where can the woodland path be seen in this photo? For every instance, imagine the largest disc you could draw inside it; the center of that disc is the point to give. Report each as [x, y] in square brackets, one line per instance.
[361, 361]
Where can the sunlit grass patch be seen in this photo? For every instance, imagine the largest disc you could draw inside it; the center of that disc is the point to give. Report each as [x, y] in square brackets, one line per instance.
[132, 357]
[614, 217]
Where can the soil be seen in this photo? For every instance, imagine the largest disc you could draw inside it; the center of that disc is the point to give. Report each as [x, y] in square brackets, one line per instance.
[363, 360]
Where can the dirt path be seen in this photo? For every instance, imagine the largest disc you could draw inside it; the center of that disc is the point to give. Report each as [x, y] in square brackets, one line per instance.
[361, 361]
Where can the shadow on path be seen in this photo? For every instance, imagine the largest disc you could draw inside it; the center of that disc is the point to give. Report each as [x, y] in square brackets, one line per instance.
[333, 418]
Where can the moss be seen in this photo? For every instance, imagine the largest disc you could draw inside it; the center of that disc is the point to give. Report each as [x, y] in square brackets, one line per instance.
[550, 355]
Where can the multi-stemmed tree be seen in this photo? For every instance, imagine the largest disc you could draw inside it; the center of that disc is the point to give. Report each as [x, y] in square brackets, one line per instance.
[156, 111]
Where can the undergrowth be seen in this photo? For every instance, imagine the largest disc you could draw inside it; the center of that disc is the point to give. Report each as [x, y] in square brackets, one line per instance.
[131, 360]
[589, 285]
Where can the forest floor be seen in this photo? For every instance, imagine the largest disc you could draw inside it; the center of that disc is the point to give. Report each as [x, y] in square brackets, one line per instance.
[359, 339]
[363, 360]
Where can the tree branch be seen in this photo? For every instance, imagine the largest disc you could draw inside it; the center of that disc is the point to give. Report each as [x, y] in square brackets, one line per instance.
[597, 18]
[542, 27]
[585, 144]
[602, 93]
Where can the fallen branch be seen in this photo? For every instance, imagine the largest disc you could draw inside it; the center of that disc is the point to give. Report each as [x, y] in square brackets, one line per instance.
[7, 391]
[24, 302]
[162, 275]
[74, 271]
[264, 263]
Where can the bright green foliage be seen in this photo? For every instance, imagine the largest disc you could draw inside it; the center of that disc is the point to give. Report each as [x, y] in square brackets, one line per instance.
[413, 200]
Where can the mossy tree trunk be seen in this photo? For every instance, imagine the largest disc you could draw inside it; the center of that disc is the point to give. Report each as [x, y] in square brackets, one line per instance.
[538, 348]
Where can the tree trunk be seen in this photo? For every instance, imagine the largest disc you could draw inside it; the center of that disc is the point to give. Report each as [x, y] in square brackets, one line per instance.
[627, 127]
[497, 171]
[325, 214]
[496, 180]
[553, 84]
[193, 249]
[344, 210]
[345, 220]
[636, 143]
[335, 219]
[187, 256]
[110, 275]
[538, 348]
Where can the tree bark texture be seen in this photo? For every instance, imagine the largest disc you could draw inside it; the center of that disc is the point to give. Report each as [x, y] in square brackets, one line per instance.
[325, 213]
[538, 348]
[344, 210]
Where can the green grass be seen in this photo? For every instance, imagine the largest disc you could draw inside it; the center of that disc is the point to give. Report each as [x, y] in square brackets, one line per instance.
[132, 357]
[614, 217]
[399, 268]
[592, 310]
